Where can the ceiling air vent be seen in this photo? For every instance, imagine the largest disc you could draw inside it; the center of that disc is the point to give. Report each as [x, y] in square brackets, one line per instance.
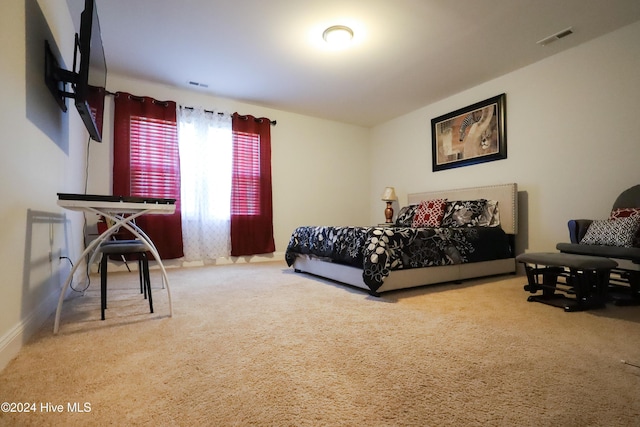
[198, 84]
[557, 36]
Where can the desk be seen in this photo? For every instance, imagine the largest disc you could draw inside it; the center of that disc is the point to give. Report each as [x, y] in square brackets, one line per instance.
[122, 210]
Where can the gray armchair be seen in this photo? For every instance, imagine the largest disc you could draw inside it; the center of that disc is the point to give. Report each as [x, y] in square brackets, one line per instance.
[625, 282]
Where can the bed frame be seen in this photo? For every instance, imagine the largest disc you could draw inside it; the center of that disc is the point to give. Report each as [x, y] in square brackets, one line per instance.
[507, 197]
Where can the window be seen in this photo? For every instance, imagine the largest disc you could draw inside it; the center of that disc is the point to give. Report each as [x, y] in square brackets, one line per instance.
[246, 163]
[206, 172]
[153, 154]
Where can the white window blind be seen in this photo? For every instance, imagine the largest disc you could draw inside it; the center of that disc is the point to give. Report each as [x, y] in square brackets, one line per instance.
[246, 195]
[154, 158]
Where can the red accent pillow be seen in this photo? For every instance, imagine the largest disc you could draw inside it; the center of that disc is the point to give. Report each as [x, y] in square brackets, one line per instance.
[429, 213]
[624, 213]
[627, 213]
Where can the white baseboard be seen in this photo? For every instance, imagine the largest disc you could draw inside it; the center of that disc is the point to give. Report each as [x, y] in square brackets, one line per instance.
[180, 262]
[16, 337]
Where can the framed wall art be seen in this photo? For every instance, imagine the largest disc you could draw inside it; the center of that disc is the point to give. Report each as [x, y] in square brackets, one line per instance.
[470, 135]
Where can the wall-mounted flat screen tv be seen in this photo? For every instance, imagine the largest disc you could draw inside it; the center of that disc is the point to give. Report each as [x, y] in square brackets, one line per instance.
[88, 77]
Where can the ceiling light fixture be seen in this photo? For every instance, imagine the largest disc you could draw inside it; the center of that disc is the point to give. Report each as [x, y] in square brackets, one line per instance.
[337, 35]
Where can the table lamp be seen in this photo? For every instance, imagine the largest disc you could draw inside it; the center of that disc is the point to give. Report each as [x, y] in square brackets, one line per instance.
[389, 196]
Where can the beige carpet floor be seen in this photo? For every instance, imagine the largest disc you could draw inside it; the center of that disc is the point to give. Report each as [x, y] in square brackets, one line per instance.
[259, 345]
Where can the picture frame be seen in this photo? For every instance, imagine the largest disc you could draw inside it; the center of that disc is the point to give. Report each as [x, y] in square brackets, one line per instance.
[470, 135]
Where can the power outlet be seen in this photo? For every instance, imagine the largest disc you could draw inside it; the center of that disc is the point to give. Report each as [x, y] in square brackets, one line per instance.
[55, 255]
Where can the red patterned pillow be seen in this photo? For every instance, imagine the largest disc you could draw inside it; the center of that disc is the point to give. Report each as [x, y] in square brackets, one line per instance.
[624, 213]
[627, 213]
[429, 213]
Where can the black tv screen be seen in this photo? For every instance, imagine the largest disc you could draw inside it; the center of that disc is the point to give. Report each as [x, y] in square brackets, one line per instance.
[88, 77]
[92, 72]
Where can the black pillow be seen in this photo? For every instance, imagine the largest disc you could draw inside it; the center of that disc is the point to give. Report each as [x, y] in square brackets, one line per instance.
[405, 216]
[464, 213]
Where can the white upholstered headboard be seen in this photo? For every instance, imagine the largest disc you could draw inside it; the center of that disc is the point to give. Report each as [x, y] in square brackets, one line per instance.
[505, 194]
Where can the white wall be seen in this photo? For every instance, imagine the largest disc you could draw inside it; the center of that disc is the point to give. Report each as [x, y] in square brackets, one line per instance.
[572, 139]
[320, 168]
[42, 154]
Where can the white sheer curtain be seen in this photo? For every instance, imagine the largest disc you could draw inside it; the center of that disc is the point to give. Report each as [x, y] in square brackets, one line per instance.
[205, 141]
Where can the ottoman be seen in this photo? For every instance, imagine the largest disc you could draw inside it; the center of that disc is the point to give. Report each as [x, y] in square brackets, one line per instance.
[572, 282]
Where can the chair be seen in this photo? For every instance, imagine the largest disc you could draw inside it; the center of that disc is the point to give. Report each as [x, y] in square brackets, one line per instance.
[122, 248]
[121, 235]
[617, 238]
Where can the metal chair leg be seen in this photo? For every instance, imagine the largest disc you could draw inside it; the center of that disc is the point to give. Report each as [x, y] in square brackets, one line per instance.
[103, 285]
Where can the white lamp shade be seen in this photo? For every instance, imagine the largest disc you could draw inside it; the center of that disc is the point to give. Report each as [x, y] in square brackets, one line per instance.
[389, 194]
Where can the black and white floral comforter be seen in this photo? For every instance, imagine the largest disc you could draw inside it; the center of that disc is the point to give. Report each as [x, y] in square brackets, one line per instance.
[379, 250]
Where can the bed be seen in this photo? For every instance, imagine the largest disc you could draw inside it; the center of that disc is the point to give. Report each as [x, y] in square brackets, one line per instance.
[404, 255]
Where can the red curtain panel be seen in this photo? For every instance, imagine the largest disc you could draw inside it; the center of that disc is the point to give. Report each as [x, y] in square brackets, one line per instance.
[146, 163]
[251, 200]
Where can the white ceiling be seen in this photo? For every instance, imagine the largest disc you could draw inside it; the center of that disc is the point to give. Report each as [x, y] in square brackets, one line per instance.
[405, 55]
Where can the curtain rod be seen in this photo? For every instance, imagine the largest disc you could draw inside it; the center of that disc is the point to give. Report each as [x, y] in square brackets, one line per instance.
[273, 122]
